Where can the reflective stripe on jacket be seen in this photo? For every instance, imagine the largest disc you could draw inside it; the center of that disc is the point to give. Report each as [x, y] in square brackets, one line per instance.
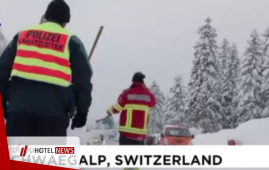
[134, 105]
[43, 55]
[130, 109]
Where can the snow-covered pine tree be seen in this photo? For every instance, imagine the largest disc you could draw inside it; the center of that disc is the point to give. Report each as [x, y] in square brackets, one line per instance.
[204, 106]
[224, 53]
[250, 105]
[166, 108]
[175, 106]
[223, 56]
[265, 79]
[266, 43]
[156, 120]
[230, 86]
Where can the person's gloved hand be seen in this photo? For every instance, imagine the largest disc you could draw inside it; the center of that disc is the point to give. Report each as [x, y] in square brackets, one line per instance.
[79, 121]
[107, 112]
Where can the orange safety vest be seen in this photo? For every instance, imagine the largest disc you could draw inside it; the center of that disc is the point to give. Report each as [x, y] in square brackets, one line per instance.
[43, 55]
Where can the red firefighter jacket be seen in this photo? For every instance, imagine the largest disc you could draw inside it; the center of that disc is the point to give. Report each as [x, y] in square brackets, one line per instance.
[134, 105]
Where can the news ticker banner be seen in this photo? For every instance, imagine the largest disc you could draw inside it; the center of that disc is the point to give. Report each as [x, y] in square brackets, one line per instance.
[104, 156]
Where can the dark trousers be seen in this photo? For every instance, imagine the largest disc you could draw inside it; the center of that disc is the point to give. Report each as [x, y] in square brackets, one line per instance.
[125, 141]
[25, 124]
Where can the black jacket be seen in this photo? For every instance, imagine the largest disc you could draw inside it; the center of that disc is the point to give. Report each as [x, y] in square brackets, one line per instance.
[26, 96]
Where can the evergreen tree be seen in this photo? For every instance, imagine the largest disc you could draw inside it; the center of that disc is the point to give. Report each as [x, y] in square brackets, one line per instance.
[225, 51]
[176, 102]
[223, 57]
[230, 85]
[266, 43]
[204, 106]
[265, 74]
[167, 116]
[156, 116]
[250, 105]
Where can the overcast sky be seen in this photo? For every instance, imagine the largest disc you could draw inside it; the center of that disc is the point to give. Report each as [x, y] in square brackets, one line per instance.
[152, 36]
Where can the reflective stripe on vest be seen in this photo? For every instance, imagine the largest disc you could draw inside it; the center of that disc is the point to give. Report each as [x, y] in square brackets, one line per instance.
[128, 126]
[43, 55]
[118, 107]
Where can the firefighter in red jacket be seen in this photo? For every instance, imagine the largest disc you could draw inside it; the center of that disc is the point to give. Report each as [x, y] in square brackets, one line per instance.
[134, 105]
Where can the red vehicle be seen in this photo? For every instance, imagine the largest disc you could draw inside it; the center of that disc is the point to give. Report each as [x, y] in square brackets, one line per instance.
[176, 135]
[231, 142]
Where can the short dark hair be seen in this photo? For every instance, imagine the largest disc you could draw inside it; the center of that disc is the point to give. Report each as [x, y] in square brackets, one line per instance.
[58, 11]
[138, 77]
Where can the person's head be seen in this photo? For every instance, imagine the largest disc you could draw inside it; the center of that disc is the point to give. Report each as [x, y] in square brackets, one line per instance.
[138, 77]
[58, 11]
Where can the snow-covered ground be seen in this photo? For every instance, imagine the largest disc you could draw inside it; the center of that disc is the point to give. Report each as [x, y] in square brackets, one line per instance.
[253, 132]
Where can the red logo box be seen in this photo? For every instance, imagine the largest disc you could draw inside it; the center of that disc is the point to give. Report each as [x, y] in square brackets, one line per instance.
[64, 150]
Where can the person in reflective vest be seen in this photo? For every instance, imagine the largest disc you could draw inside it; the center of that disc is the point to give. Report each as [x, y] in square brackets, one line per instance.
[134, 105]
[45, 78]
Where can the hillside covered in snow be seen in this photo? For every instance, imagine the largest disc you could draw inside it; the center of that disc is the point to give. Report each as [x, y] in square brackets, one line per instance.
[252, 132]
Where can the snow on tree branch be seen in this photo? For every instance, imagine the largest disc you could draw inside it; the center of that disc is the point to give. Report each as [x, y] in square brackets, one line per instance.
[250, 104]
[204, 100]
[176, 103]
[156, 116]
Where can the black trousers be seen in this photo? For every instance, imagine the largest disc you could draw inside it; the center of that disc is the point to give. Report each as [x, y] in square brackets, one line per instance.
[125, 141]
[25, 124]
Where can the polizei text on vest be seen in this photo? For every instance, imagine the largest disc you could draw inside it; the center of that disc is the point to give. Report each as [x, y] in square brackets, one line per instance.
[43, 39]
[168, 160]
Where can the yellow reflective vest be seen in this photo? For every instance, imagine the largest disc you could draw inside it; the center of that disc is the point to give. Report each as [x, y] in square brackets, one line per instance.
[43, 54]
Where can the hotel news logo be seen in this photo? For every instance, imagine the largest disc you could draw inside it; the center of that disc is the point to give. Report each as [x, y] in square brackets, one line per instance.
[24, 150]
[56, 150]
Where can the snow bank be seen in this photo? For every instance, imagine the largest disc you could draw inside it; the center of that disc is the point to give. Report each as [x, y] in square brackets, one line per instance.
[252, 132]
